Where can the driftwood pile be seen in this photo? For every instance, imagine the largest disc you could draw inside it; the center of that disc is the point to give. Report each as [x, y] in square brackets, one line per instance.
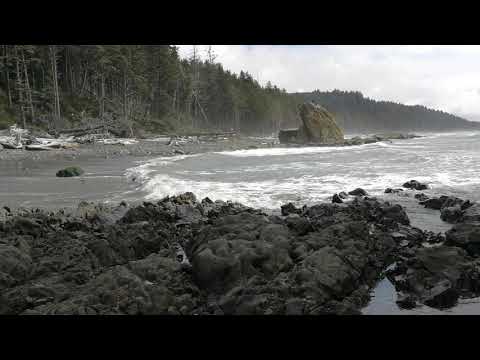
[19, 138]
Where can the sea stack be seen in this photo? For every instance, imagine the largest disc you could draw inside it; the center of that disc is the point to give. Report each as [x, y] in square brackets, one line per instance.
[318, 126]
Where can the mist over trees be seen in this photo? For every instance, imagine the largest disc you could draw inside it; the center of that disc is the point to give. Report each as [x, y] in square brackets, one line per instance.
[149, 87]
[356, 113]
[141, 86]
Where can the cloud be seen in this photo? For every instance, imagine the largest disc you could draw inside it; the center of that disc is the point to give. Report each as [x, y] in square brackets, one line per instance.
[438, 76]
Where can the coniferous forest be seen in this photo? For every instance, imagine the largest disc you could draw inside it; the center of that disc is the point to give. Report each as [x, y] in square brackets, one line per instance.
[149, 87]
[356, 113]
[142, 86]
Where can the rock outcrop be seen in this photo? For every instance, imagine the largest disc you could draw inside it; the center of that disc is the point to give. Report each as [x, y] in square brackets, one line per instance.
[416, 185]
[436, 277]
[319, 125]
[183, 256]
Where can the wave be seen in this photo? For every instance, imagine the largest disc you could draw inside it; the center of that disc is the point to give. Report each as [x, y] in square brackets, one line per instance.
[434, 135]
[141, 172]
[252, 178]
[292, 150]
[269, 193]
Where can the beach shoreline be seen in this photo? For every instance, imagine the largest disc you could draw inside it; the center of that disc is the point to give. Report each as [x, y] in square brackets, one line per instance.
[27, 178]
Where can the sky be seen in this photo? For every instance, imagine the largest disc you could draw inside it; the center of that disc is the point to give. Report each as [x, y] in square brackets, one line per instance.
[443, 77]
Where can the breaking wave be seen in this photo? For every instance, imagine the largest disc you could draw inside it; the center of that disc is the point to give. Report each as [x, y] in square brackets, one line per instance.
[270, 177]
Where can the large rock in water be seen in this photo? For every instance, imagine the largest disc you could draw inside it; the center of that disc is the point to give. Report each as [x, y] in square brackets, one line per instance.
[319, 125]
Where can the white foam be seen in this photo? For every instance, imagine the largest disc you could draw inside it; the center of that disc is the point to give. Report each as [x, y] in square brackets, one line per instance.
[292, 151]
[269, 193]
[268, 183]
[142, 171]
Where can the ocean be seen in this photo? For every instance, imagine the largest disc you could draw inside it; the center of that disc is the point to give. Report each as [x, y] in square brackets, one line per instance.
[267, 178]
[270, 177]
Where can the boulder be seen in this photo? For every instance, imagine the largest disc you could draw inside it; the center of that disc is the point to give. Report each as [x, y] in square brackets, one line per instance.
[436, 276]
[391, 214]
[319, 125]
[451, 214]
[421, 197]
[405, 301]
[358, 192]
[289, 208]
[471, 214]
[392, 191]
[325, 271]
[15, 266]
[449, 201]
[414, 184]
[465, 236]
[70, 172]
[336, 199]
[444, 202]
[300, 225]
[343, 195]
[433, 203]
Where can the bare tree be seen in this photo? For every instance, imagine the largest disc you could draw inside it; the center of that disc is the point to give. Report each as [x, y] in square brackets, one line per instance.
[53, 62]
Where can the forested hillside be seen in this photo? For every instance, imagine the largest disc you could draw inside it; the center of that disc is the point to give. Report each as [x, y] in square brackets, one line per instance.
[356, 113]
[141, 86]
[149, 87]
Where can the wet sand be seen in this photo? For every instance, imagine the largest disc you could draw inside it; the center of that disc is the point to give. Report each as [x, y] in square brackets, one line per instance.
[27, 179]
[35, 184]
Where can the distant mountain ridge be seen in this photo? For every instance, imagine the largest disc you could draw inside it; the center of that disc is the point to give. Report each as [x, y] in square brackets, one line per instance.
[355, 113]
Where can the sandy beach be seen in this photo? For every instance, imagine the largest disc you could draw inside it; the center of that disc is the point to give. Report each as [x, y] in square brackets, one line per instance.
[27, 178]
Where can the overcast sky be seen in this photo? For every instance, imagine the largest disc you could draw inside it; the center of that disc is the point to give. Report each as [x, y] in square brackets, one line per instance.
[438, 76]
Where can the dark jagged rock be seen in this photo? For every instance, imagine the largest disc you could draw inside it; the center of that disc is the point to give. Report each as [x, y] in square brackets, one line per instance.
[433, 203]
[436, 276]
[449, 201]
[343, 195]
[300, 225]
[466, 236]
[444, 202]
[406, 301]
[289, 209]
[471, 214]
[70, 172]
[336, 199]
[393, 191]
[358, 192]
[414, 184]
[421, 197]
[451, 214]
[321, 259]
[434, 238]
[15, 266]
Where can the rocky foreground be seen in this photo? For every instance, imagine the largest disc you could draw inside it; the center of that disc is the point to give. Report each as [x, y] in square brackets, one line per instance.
[183, 256]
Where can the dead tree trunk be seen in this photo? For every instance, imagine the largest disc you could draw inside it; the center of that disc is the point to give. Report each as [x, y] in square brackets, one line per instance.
[28, 89]
[7, 75]
[102, 96]
[53, 60]
[19, 86]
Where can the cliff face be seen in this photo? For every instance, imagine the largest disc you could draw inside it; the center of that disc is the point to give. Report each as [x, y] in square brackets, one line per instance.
[319, 125]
